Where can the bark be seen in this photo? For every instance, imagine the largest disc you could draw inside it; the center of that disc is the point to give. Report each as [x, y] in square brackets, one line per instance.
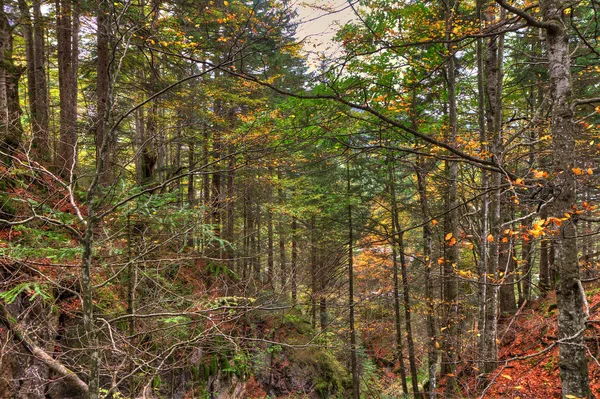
[33, 32]
[282, 257]
[41, 117]
[10, 323]
[493, 85]
[353, 357]
[66, 34]
[270, 253]
[544, 275]
[432, 353]
[294, 265]
[104, 143]
[571, 318]
[191, 188]
[508, 302]
[10, 109]
[485, 205]
[230, 210]
[398, 241]
[398, 321]
[526, 269]
[313, 273]
[451, 258]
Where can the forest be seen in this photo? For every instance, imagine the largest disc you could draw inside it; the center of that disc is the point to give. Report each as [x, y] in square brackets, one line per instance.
[207, 199]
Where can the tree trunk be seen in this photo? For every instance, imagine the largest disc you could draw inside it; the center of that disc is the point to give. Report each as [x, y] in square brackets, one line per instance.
[10, 109]
[398, 320]
[451, 219]
[294, 265]
[432, 353]
[41, 138]
[104, 143]
[571, 318]
[66, 34]
[314, 289]
[353, 356]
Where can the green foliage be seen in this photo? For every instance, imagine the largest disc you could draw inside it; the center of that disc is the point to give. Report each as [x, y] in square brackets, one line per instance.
[113, 395]
[240, 364]
[31, 289]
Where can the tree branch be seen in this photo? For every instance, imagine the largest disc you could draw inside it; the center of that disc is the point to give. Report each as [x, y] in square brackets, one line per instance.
[21, 335]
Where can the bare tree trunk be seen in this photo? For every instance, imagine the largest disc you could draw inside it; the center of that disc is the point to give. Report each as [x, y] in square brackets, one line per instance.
[432, 355]
[10, 109]
[41, 138]
[353, 356]
[294, 265]
[191, 188]
[571, 318]
[270, 257]
[398, 242]
[66, 33]
[398, 320]
[451, 258]
[33, 32]
[282, 258]
[313, 273]
[102, 92]
[544, 275]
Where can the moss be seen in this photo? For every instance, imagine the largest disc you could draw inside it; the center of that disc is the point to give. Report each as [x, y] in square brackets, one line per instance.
[329, 376]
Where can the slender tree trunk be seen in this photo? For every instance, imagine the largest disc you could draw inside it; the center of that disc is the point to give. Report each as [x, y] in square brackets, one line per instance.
[313, 273]
[66, 33]
[11, 130]
[230, 210]
[451, 258]
[294, 265]
[432, 355]
[270, 252]
[282, 255]
[544, 275]
[398, 239]
[191, 188]
[526, 269]
[353, 355]
[27, 27]
[322, 298]
[398, 320]
[41, 134]
[102, 93]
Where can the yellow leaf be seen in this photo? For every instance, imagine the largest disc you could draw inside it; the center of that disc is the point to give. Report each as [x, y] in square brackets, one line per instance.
[225, 3]
[508, 377]
[590, 171]
[437, 345]
[577, 171]
[448, 236]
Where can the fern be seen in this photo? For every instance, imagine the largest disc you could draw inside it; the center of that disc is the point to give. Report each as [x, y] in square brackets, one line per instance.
[33, 290]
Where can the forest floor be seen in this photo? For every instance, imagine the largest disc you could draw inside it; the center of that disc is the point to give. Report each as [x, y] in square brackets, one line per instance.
[529, 355]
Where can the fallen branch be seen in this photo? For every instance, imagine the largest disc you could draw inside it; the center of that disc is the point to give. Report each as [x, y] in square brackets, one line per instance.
[69, 376]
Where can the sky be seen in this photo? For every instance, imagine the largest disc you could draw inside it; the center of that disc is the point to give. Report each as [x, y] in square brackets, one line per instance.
[318, 22]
